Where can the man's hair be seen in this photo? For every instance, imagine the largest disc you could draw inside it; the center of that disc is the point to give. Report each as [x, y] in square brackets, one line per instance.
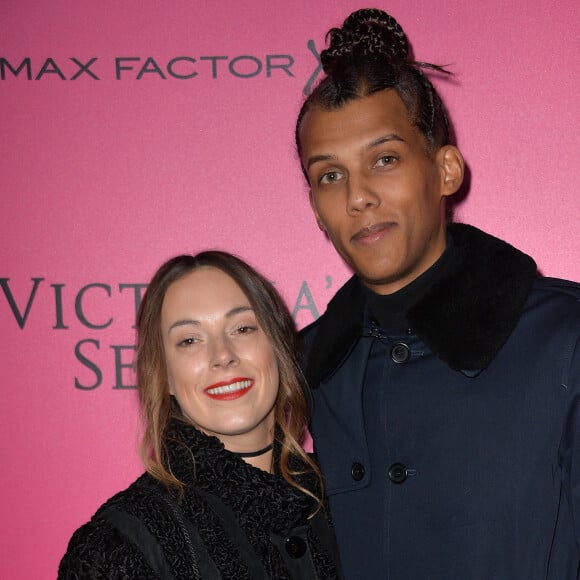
[370, 53]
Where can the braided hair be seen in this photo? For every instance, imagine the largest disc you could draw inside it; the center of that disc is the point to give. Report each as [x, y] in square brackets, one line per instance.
[370, 53]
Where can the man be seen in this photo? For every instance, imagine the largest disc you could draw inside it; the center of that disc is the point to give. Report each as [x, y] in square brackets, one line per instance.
[446, 372]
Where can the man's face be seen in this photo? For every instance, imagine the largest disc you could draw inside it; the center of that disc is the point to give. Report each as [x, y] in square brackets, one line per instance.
[376, 190]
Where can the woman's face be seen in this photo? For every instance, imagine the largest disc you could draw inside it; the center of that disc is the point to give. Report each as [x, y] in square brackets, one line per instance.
[221, 367]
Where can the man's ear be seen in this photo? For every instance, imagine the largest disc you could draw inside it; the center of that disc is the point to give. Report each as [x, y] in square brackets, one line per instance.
[315, 210]
[452, 169]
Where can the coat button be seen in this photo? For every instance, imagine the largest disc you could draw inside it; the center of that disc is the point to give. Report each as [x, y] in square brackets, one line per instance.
[295, 546]
[397, 473]
[357, 471]
[400, 353]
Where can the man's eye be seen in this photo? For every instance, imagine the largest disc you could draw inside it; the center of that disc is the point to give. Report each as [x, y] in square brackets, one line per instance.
[330, 177]
[385, 160]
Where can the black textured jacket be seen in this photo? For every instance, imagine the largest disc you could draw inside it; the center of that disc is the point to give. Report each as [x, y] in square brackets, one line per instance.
[234, 522]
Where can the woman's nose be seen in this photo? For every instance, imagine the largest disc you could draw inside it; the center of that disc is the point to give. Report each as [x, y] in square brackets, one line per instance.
[222, 353]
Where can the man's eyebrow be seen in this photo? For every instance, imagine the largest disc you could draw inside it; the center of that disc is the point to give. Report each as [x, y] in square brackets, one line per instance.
[371, 145]
[385, 139]
[191, 321]
[317, 158]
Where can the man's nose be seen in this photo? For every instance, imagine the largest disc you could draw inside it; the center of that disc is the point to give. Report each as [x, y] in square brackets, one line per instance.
[360, 194]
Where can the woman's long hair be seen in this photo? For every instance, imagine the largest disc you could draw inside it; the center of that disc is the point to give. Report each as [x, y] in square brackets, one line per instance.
[291, 406]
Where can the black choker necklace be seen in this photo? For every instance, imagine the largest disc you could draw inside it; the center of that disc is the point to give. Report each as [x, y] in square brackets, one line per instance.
[254, 453]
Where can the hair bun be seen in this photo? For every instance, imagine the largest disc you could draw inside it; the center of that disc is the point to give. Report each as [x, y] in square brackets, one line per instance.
[367, 33]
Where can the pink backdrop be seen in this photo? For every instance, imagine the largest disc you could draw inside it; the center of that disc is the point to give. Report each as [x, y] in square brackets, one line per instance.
[178, 136]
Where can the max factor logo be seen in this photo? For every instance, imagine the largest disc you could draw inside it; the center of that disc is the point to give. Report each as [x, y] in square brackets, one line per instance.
[310, 82]
[137, 68]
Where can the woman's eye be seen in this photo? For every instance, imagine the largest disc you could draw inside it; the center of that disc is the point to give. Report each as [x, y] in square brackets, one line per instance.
[245, 329]
[385, 160]
[187, 341]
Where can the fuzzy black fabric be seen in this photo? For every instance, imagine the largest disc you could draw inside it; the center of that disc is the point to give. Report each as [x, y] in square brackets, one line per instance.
[465, 318]
[263, 504]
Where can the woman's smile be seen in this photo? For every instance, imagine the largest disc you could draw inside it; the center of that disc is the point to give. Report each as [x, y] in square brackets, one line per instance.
[229, 390]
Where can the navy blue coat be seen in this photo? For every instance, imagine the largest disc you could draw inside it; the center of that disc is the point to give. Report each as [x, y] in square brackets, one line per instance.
[453, 452]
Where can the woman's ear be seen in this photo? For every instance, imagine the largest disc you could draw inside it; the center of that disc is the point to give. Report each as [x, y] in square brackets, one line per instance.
[452, 169]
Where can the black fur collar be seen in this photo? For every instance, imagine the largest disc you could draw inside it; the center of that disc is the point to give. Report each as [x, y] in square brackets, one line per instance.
[202, 462]
[465, 318]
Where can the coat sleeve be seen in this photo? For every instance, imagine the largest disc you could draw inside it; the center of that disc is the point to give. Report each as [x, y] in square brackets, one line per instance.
[97, 551]
[570, 442]
[571, 438]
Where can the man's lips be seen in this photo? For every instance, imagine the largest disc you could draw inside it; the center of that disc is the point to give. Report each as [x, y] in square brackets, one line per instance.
[228, 390]
[372, 233]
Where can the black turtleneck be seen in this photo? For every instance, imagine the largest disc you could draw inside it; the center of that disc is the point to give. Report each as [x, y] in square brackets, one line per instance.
[390, 310]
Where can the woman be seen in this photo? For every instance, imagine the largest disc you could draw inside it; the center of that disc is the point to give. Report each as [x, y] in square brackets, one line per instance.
[229, 492]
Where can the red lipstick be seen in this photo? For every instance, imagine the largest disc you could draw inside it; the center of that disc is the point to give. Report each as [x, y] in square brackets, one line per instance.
[229, 390]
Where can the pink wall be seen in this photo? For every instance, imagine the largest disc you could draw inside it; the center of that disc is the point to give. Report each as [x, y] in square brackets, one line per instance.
[101, 180]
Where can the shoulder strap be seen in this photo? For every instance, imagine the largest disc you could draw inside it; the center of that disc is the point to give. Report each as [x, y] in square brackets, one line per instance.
[237, 534]
[133, 528]
[136, 531]
[207, 567]
[322, 528]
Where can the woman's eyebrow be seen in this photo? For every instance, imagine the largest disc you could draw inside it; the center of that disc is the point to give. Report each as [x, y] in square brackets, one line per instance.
[191, 321]
[238, 310]
[184, 322]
